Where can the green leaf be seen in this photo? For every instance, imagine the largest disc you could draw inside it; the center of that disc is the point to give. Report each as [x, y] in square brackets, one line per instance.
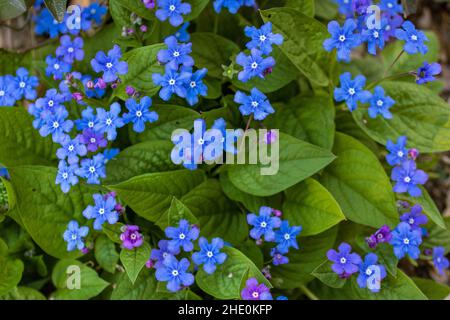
[304, 261]
[326, 9]
[44, 210]
[142, 63]
[150, 195]
[23, 293]
[252, 203]
[400, 288]
[359, 184]
[64, 278]
[170, 118]
[210, 56]
[134, 260]
[326, 275]
[283, 73]
[306, 118]
[144, 288]
[135, 6]
[10, 273]
[113, 231]
[20, 143]
[106, 254]
[432, 289]
[428, 206]
[10, 9]
[57, 8]
[438, 236]
[119, 13]
[197, 7]
[407, 62]
[179, 211]
[230, 277]
[145, 157]
[303, 39]
[304, 6]
[297, 160]
[417, 113]
[310, 205]
[217, 215]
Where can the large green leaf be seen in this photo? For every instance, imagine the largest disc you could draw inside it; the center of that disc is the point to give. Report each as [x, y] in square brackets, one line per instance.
[170, 117]
[218, 216]
[20, 143]
[144, 288]
[43, 209]
[150, 195]
[297, 161]
[303, 39]
[302, 262]
[134, 260]
[304, 6]
[135, 6]
[230, 277]
[310, 205]
[145, 157]
[10, 9]
[179, 211]
[106, 254]
[64, 277]
[23, 293]
[400, 288]
[359, 184]
[214, 56]
[306, 118]
[417, 113]
[142, 63]
[283, 72]
[432, 289]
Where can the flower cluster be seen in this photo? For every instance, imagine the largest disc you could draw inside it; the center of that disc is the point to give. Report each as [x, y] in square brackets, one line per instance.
[405, 173]
[346, 263]
[136, 28]
[232, 5]
[269, 227]
[176, 272]
[46, 25]
[359, 28]
[179, 77]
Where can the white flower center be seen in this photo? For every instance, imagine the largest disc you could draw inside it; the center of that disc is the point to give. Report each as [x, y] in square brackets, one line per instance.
[263, 224]
[379, 236]
[70, 50]
[175, 273]
[92, 169]
[406, 241]
[193, 84]
[51, 103]
[375, 34]
[56, 66]
[411, 221]
[108, 121]
[414, 37]
[71, 148]
[351, 91]
[400, 154]
[343, 260]
[380, 103]
[262, 38]
[56, 124]
[138, 114]
[101, 211]
[342, 38]
[133, 237]
[74, 236]
[93, 11]
[255, 294]
[65, 175]
[254, 65]
[438, 259]
[182, 236]
[2, 93]
[407, 179]
[255, 104]
[390, 5]
[209, 254]
[287, 236]
[201, 141]
[93, 140]
[172, 8]
[176, 54]
[172, 82]
[90, 124]
[22, 84]
[109, 65]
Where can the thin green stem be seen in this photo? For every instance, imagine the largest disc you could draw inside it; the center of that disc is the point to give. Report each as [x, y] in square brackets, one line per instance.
[308, 293]
[392, 77]
[394, 62]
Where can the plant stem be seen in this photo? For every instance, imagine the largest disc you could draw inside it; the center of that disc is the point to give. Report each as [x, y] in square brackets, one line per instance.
[394, 62]
[392, 77]
[308, 293]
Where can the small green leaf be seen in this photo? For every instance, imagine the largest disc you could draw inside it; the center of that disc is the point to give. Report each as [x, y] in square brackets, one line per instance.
[106, 254]
[432, 289]
[178, 211]
[134, 260]
[23, 293]
[327, 276]
[10, 273]
[57, 8]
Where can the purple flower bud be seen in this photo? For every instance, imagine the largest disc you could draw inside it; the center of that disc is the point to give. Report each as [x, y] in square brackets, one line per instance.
[85, 250]
[267, 71]
[381, 235]
[131, 238]
[130, 90]
[149, 264]
[149, 4]
[119, 208]
[277, 213]
[130, 31]
[77, 96]
[266, 272]
[428, 252]
[413, 153]
[259, 242]
[143, 28]
[403, 204]
[101, 84]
